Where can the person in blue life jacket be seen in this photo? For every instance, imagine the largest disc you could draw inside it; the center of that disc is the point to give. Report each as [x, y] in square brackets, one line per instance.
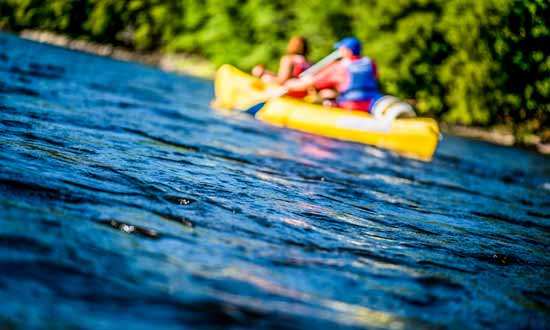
[354, 77]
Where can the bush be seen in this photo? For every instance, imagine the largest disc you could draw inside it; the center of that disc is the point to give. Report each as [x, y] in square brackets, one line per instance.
[464, 61]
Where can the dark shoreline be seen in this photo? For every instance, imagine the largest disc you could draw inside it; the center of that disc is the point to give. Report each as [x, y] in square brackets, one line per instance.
[197, 66]
[188, 64]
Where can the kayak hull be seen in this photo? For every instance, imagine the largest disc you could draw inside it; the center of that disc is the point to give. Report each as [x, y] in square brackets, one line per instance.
[411, 137]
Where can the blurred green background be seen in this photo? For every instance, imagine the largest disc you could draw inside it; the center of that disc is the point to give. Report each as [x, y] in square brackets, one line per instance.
[473, 62]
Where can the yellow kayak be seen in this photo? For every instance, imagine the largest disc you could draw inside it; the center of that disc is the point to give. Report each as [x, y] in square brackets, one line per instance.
[411, 137]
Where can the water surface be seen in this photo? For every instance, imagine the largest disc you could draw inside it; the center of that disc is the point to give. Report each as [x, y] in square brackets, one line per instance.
[126, 202]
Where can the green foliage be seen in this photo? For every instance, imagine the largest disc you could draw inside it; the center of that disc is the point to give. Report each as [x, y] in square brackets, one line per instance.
[464, 61]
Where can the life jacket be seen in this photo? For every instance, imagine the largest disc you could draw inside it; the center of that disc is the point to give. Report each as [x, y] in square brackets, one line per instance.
[299, 65]
[362, 81]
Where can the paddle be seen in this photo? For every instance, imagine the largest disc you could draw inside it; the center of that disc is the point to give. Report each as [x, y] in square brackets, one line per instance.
[283, 90]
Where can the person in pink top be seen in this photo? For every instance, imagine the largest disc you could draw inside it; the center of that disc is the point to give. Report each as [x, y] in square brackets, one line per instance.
[290, 66]
[354, 77]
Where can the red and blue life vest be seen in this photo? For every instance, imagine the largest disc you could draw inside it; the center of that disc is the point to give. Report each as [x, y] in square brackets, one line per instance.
[362, 81]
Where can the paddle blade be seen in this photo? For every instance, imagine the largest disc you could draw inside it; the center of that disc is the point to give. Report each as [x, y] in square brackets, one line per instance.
[264, 98]
[255, 108]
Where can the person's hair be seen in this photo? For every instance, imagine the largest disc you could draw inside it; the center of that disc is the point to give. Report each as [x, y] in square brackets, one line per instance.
[297, 46]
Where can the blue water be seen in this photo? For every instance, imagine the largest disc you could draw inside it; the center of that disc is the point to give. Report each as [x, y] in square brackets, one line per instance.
[126, 202]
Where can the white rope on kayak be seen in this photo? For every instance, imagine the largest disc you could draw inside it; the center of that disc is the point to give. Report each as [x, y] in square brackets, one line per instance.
[385, 111]
[390, 107]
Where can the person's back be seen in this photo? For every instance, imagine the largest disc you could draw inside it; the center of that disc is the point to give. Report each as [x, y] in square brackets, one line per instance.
[361, 78]
[361, 87]
[354, 77]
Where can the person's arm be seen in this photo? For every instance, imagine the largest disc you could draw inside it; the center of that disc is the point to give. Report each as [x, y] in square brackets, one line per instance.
[285, 69]
[328, 77]
[299, 84]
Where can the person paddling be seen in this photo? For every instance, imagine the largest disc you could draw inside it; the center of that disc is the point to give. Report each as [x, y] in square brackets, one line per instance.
[354, 77]
[290, 66]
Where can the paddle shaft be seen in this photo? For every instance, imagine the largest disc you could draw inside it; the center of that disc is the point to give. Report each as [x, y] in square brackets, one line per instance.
[321, 64]
[311, 71]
